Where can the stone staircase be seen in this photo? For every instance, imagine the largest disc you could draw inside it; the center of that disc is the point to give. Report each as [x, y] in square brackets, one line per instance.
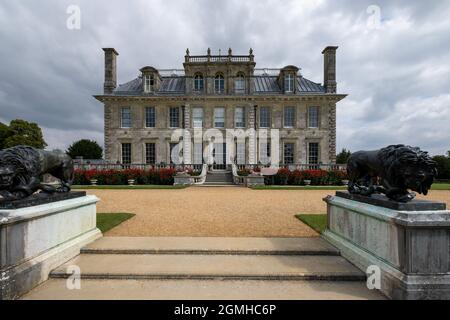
[219, 178]
[208, 268]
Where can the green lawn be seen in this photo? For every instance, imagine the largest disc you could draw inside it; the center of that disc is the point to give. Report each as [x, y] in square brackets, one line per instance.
[440, 186]
[299, 187]
[107, 221]
[143, 186]
[316, 221]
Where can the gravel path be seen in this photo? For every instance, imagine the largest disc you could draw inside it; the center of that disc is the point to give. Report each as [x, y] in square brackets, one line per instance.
[224, 211]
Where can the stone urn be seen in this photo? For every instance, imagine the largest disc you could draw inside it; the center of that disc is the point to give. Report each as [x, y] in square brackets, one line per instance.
[307, 182]
[345, 182]
[131, 182]
[94, 182]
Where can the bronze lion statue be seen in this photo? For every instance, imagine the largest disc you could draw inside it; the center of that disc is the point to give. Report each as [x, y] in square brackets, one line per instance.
[392, 171]
[22, 168]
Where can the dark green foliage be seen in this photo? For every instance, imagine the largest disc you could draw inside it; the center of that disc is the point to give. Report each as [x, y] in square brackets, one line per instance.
[87, 149]
[443, 166]
[342, 157]
[21, 132]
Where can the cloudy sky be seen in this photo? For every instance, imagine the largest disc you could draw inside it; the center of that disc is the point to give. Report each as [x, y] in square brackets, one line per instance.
[393, 58]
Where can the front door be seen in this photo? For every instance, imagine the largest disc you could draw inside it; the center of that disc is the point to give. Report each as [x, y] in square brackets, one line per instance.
[219, 154]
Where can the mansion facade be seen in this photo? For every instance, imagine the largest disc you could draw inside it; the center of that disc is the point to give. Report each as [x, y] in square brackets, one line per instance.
[220, 92]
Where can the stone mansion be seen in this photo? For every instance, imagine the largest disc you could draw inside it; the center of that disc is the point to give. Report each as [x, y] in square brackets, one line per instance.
[220, 92]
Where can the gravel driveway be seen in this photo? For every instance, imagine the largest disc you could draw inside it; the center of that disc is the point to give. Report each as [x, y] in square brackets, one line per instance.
[221, 211]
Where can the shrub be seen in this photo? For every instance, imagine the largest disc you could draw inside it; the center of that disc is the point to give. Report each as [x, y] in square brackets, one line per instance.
[121, 177]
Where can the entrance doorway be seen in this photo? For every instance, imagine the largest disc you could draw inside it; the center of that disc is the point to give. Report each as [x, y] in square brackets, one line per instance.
[220, 156]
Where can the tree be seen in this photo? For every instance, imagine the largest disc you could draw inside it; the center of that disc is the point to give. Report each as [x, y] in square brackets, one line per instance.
[443, 166]
[88, 149]
[343, 156]
[21, 132]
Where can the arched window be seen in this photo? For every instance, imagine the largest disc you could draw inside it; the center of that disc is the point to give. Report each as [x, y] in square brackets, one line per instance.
[289, 83]
[198, 82]
[219, 84]
[239, 83]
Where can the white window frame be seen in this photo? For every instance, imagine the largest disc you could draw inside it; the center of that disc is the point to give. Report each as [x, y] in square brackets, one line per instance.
[240, 152]
[149, 83]
[197, 119]
[310, 150]
[218, 116]
[199, 83]
[289, 83]
[239, 111]
[313, 117]
[147, 152]
[122, 152]
[268, 124]
[219, 83]
[293, 152]
[264, 152]
[147, 115]
[122, 118]
[239, 83]
[292, 117]
[170, 117]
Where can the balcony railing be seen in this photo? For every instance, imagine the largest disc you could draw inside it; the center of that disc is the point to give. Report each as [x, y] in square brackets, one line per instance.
[207, 58]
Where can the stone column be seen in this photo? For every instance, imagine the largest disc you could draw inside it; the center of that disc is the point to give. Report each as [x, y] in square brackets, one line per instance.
[187, 152]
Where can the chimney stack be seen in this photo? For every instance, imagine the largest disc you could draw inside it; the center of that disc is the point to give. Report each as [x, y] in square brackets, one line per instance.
[329, 69]
[110, 70]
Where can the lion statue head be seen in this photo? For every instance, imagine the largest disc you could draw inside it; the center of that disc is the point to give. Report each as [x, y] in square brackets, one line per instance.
[408, 167]
[17, 165]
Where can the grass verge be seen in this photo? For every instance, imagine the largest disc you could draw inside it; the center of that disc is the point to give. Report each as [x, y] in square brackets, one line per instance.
[127, 187]
[107, 221]
[316, 221]
[440, 186]
[299, 188]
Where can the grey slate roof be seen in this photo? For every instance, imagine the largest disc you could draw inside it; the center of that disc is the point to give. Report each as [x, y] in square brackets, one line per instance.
[176, 85]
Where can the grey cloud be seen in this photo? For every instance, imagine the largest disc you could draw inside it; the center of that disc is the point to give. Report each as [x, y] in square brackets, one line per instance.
[48, 73]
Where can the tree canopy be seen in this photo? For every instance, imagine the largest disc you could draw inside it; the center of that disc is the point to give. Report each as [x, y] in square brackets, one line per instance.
[343, 156]
[21, 132]
[87, 149]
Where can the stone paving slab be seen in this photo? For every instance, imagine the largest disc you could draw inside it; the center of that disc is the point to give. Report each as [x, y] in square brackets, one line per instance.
[211, 245]
[175, 266]
[204, 289]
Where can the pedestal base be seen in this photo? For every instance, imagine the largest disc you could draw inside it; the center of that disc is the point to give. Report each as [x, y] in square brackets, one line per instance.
[411, 248]
[37, 239]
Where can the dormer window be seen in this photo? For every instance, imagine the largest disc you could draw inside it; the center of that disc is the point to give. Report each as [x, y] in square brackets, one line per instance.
[239, 83]
[198, 83]
[289, 82]
[219, 84]
[149, 83]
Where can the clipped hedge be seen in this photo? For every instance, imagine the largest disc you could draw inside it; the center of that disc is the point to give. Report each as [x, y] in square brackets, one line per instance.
[162, 176]
[317, 177]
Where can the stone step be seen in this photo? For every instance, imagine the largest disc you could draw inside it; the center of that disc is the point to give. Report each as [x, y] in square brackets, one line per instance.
[55, 289]
[211, 245]
[208, 267]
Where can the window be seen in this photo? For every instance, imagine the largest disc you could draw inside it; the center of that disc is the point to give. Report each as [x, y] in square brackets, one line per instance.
[197, 117]
[175, 155]
[313, 153]
[219, 84]
[126, 153]
[125, 117]
[149, 82]
[150, 153]
[289, 117]
[313, 117]
[239, 83]
[289, 83]
[264, 117]
[150, 117]
[198, 82]
[264, 152]
[239, 117]
[198, 153]
[240, 152]
[174, 117]
[288, 155]
[219, 117]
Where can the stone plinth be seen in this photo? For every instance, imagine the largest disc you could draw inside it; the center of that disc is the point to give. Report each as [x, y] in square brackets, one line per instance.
[410, 247]
[254, 180]
[183, 179]
[35, 240]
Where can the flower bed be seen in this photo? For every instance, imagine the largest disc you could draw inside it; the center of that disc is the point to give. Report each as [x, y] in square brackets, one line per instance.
[316, 177]
[162, 176]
